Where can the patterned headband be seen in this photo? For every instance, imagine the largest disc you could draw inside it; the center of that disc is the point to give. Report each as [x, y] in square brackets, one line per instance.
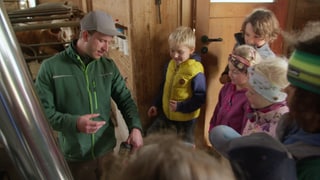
[304, 71]
[239, 62]
[242, 63]
[263, 87]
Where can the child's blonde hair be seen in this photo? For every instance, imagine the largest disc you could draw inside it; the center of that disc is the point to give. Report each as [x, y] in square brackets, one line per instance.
[244, 53]
[249, 53]
[264, 23]
[182, 36]
[274, 69]
[269, 78]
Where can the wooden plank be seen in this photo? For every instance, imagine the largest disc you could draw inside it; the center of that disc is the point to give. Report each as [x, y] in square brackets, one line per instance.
[46, 26]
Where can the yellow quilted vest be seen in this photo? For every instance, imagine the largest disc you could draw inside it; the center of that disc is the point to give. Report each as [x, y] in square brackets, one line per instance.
[178, 87]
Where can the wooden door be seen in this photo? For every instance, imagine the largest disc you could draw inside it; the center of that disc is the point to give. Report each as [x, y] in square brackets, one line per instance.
[222, 20]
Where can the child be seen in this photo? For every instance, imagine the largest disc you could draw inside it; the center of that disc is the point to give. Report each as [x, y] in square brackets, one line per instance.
[299, 130]
[267, 81]
[260, 156]
[184, 89]
[233, 104]
[260, 28]
[167, 158]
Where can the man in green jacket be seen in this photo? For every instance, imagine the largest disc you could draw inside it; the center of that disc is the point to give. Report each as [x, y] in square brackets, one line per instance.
[76, 87]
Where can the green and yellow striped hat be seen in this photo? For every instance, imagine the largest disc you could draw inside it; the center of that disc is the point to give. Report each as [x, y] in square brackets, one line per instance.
[304, 71]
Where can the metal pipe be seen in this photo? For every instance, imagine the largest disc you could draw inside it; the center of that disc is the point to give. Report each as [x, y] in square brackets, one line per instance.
[35, 19]
[24, 131]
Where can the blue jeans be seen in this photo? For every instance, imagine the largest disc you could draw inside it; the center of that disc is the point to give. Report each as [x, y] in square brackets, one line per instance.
[220, 136]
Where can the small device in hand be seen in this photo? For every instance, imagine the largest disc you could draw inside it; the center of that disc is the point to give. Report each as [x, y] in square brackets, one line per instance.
[125, 149]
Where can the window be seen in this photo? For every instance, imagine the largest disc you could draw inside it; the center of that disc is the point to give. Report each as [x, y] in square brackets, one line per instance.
[243, 1]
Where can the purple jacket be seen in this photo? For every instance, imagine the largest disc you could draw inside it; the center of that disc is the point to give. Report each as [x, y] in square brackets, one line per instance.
[231, 109]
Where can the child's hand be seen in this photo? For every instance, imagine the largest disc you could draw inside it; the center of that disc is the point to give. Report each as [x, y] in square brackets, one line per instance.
[153, 111]
[173, 105]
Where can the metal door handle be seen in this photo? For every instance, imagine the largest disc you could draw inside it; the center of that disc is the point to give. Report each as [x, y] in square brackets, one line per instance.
[206, 39]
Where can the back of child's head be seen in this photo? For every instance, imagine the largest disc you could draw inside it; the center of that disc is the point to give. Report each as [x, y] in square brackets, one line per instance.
[304, 76]
[164, 157]
[244, 56]
[264, 23]
[182, 36]
[269, 78]
[260, 156]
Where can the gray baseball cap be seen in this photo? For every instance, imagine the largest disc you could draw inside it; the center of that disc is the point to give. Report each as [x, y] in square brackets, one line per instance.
[101, 22]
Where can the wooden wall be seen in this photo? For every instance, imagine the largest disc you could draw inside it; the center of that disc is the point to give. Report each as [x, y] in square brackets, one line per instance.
[300, 12]
[149, 41]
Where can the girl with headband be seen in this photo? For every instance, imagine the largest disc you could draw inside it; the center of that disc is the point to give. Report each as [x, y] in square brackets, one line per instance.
[232, 103]
[267, 81]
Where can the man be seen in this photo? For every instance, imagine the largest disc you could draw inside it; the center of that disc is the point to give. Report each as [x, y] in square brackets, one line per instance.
[76, 87]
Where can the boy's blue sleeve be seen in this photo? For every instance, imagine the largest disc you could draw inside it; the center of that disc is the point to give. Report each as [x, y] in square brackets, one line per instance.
[196, 56]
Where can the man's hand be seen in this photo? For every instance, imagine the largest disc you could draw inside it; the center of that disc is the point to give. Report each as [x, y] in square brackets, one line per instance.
[135, 139]
[85, 124]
